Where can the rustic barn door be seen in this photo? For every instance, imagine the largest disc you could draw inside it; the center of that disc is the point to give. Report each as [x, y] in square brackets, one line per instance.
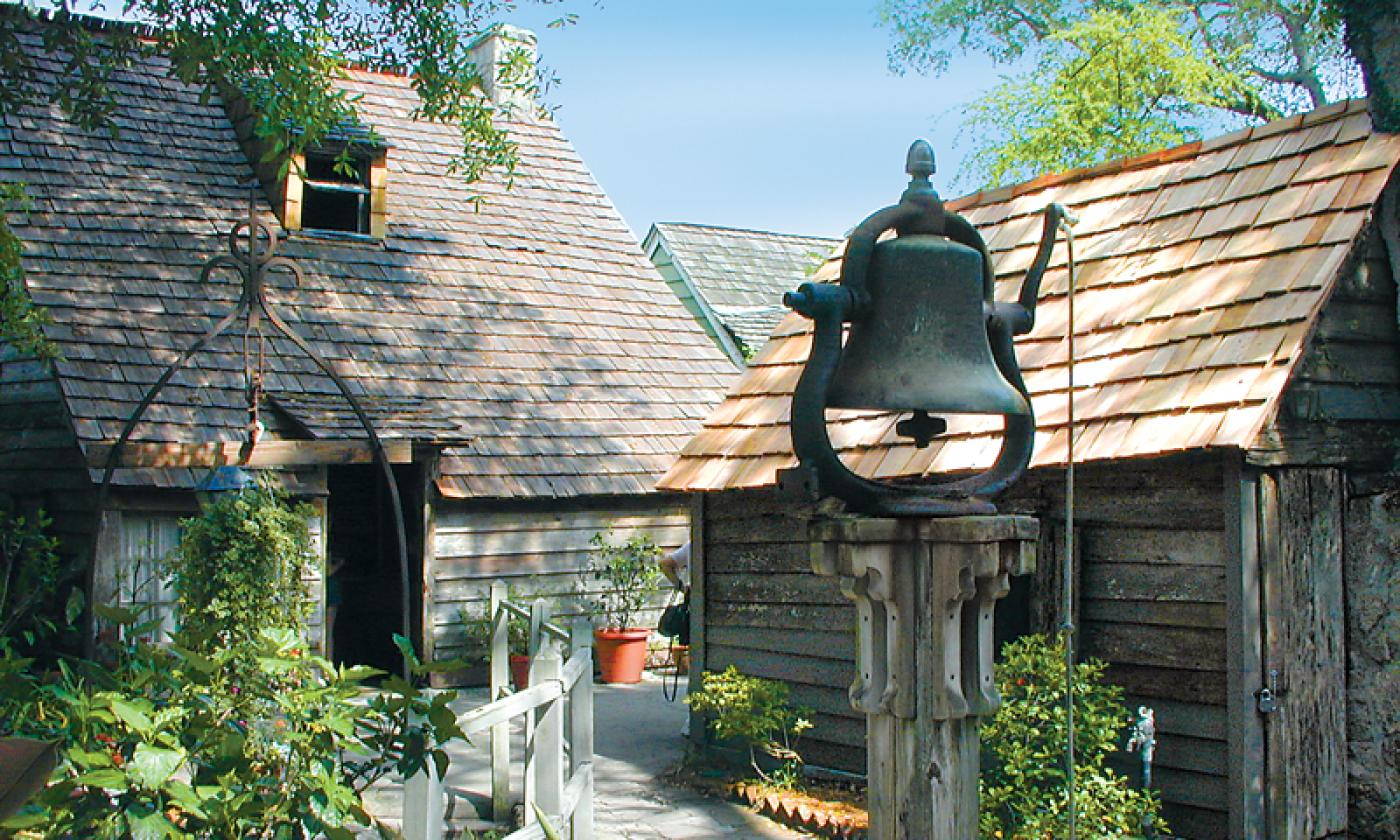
[1303, 696]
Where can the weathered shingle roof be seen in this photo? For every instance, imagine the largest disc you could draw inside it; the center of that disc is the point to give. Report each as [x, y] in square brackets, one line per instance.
[1201, 271]
[742, 274]
[534, 327]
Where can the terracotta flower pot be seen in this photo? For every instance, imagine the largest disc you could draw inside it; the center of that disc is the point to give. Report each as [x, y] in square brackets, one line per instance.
[621, 653]
[519, 671]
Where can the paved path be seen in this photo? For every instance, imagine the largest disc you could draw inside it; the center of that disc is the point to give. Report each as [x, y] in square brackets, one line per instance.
[637, 739]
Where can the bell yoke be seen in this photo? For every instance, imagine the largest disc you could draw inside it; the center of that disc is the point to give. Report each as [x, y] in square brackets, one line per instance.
[926, 337]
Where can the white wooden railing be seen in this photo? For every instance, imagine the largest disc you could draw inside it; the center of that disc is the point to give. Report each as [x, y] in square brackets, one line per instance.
[558, 712]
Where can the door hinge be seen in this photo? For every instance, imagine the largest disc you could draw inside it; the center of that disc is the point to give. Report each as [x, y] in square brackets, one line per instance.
[1266, 698]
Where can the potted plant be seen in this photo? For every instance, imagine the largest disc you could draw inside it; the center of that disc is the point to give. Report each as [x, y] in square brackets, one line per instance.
[478, 644]
[624, 576]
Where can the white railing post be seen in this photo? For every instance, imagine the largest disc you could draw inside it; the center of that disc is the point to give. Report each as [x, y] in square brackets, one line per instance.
[424, 805]
[500, 677]
[539, 614]
[544, 752]
[581, 728]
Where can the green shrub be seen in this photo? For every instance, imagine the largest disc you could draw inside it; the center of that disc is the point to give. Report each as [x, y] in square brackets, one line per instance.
[31, 579]
[1023, 752]
[756, 712]
[629, 574]
[233, 731]
[239, 566]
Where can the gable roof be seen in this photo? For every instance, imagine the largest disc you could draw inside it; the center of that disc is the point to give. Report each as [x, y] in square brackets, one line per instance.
[739, 275]
[532, 327]
[1201, 270]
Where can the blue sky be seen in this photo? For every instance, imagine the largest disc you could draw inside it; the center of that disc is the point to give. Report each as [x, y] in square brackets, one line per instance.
[766, 114]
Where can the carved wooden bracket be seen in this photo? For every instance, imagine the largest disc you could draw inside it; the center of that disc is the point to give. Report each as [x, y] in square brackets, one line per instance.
[924, 592]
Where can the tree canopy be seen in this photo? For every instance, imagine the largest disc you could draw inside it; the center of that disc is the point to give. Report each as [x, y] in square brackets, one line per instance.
[1098, 79]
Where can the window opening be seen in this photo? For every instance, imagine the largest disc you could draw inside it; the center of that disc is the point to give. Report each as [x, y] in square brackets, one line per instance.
[334, 199]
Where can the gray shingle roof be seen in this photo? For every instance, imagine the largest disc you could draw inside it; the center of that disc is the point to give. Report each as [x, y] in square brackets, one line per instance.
[742, 274]
[534, 327]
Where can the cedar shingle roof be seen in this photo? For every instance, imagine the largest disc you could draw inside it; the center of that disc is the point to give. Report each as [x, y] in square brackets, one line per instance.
[1201, 271]
[534, 327]
[742, 274]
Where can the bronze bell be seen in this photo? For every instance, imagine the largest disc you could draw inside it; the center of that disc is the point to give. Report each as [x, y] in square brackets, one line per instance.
[922, 342]
[925, 336]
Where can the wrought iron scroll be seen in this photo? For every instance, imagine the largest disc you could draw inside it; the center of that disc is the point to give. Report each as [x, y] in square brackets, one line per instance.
[253, 263]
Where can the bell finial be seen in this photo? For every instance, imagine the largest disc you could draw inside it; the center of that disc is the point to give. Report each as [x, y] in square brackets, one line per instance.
[919, 162]
[920, 192]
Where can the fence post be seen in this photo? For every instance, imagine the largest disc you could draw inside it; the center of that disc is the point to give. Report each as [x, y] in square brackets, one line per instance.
[539, 614]
[581, 728]
[500, 676]
[544, 751]
[424, 805]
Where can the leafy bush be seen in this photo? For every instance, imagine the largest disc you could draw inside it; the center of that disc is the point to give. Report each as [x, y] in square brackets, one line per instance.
[1023, 752]
[229, 731]
[31, 576]
[756, 712]
[630, 575]
[239, 566]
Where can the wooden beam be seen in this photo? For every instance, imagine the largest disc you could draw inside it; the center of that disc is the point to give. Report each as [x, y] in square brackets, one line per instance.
[275, 453]
[1243, 639]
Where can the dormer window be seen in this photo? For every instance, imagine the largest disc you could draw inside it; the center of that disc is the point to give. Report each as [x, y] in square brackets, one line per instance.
[346, 199]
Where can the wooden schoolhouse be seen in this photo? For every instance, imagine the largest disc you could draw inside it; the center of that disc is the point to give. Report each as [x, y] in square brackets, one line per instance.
[1237, 445]
[526, 367]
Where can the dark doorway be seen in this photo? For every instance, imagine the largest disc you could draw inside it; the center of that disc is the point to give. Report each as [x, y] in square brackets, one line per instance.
[361, 538]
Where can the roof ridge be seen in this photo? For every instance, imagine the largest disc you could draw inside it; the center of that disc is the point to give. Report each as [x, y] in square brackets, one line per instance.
[730, 229]
[1327, 113]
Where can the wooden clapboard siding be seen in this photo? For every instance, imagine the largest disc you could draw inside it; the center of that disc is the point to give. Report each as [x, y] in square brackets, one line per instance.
[539, 551]
[1151, 603]
[1152, 557]
[1343, 404]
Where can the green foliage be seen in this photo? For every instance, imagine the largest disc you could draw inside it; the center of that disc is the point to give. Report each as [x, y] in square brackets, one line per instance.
[1110, 78]
[239, 567]
[1023, 752]
[755, 711]
[257, 738]
[31, 577]
[629, 574]
[21, 323]
[477, 632]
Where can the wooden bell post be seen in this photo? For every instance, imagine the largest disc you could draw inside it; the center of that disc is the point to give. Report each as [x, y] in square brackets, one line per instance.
[924, 589]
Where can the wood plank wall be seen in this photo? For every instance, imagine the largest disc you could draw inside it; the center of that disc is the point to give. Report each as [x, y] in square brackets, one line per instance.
[539, 552]
[1152, 604]
[1343, 406]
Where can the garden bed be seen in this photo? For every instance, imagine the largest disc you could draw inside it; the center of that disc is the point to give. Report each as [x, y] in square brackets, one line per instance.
[825, 809]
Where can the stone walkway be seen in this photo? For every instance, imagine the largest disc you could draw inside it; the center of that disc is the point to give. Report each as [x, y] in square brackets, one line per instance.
[637, 739]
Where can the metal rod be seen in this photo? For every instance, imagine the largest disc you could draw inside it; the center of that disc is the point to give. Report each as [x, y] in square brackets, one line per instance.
[1067, 567]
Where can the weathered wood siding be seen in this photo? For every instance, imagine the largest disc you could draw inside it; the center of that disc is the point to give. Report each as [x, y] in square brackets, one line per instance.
[1342, 407]
[539, 551]
[1152, 603]
[1371, 569]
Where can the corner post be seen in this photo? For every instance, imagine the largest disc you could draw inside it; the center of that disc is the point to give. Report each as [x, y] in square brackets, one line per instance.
[924, 590]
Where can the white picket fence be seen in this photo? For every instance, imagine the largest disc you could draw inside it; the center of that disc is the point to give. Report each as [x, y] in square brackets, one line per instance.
[558, 712]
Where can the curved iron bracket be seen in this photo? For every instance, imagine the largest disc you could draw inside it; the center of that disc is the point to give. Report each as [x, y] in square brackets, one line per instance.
[253, 261]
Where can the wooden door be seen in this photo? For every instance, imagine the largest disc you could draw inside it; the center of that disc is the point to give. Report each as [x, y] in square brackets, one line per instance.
[1303, 696]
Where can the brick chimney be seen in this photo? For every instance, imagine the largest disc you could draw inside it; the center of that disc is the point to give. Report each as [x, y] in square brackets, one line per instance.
[505, 57]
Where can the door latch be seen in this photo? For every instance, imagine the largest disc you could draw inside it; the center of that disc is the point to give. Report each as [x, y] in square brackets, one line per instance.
[1266, 698]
